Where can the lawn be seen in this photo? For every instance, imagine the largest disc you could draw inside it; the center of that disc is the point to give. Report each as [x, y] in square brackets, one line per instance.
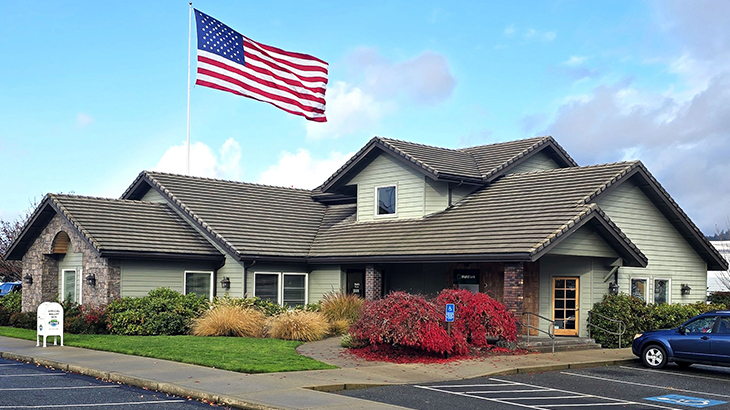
[238, 354]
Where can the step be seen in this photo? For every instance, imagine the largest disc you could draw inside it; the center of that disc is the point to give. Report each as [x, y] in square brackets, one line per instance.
[562, 344]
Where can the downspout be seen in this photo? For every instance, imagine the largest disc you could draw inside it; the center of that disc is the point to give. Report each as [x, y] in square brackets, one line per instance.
[245, 276]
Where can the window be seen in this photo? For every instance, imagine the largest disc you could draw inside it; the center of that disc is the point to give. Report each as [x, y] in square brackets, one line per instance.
[286, 289]
[70, 286]
[724, 326]
[701, 325]
[661, 291]
[385, 200]
[638, 288]
[200, 283]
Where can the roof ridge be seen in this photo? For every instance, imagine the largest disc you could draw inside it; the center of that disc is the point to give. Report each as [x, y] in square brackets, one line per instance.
[189, 211]
[539, 142]
[67, 214]
[630, 166]
[227, 180]
[385, 139]
[504, 142]
[101, 198]
[410, 157]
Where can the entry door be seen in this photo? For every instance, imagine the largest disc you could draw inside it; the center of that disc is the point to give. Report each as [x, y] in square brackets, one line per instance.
[356, 283]
[565, 306]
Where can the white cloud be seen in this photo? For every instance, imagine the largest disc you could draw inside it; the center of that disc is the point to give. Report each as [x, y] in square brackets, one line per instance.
[575, 60]
[349, 110]
[300, 170]
[509, 30]
[529, 35]
[203, 162]
[83, 120]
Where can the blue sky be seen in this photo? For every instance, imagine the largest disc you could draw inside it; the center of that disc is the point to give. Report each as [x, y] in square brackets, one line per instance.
[94, 92]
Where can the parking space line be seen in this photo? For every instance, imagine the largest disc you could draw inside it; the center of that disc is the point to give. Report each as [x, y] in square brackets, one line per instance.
[506, 391]
[58, 406]
[577, 396]
[645, 385]
[58, 388]
[476, 385]
[666, 372]
[480, 397]
[10, 364]
[32, 375]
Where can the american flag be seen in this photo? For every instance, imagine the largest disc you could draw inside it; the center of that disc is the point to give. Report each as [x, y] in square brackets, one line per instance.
[229, 61]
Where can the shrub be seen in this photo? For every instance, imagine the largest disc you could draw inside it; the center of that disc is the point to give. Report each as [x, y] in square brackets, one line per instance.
[268, 307]
[5, 316]
[12, 302]
[162, 312]
[720, 298]
[339, 327]
[230, 320]
[339, 307]
[23, 320]
[478, 317]
[639, 317]
[299, 325]
[404, 320]
[84, 319]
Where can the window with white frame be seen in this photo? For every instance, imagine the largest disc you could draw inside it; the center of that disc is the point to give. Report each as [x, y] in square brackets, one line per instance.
[662, 289]
[385, 198]
[200, 283]
[639, 288]
[286, 289]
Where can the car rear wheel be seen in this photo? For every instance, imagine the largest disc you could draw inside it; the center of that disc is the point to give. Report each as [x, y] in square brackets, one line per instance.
[654, 357]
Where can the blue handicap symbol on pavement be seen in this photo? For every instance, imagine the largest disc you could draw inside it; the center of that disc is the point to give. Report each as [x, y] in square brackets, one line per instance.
[685, 400]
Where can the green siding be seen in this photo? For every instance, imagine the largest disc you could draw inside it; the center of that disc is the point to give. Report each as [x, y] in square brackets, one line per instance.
[436, 195]
[584, 242]
[139, 277]
[590, 272]
[537, 162]
[71, 260]
[670, 256]
[234, 271]
[154, 196]
[387, 171]
[324, 279]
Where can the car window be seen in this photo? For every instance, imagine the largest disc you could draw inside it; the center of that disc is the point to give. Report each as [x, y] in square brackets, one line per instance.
[724, 325]
[701, 325]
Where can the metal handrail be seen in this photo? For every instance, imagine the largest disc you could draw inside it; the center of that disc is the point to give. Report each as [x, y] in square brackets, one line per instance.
[621, 326]
[551, 327]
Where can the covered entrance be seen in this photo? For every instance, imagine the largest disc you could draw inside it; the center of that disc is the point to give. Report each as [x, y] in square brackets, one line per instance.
[565, 305]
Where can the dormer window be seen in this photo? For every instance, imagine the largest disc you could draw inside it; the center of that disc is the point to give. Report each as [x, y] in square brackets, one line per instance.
[385, 200]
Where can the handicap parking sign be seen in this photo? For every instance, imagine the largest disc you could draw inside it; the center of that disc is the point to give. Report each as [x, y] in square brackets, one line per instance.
[450, 312]
[685, 400]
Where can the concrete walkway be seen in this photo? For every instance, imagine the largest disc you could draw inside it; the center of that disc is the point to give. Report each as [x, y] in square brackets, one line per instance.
[292, 390]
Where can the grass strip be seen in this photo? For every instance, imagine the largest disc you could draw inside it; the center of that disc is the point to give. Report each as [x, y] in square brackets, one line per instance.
[239, 354]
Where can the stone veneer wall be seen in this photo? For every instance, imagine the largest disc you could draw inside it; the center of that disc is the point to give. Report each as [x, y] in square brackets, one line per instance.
[42, 265]
[373, 283]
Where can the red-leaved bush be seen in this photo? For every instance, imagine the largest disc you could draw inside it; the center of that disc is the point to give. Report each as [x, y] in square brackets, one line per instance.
[477, 317]
[402, 319]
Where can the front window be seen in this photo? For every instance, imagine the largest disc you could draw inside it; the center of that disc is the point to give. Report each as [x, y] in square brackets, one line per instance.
[286, 289]
[638, 288]
[386, 200]
[199, 283]
[661, 291]
[701, 325]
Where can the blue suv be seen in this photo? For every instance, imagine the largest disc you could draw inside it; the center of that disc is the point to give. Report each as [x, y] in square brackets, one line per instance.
[703, 339]
[8, 287]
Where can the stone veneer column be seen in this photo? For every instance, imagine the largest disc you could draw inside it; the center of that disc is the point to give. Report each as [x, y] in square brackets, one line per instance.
[373, 283]
[513, 287]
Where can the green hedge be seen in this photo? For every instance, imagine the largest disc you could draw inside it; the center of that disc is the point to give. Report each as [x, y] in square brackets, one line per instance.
[9, 305]
[162, 312]
[722, 298]
[639, 317]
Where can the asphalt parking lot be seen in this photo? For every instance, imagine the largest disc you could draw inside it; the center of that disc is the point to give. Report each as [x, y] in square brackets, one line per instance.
[627, 387]
[27, 386]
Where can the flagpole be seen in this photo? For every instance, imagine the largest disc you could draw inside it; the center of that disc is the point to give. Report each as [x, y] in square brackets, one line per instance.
[190, 25]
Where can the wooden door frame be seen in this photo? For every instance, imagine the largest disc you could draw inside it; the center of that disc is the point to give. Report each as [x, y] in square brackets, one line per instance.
[567, 332]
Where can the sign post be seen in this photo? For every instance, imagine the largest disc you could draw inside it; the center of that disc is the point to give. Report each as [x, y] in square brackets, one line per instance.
[450, 313]
[49, 322]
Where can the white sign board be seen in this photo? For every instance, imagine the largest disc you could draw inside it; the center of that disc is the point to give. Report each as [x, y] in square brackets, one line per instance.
[50, 322]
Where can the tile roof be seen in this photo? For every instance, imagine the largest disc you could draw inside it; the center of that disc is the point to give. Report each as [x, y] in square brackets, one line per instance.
[249, 219]
[115, 225]
[517, 214]
[478, 164]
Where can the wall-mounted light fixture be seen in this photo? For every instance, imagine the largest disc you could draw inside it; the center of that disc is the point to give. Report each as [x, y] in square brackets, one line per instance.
[28, 279]
[91, 279]
[226, 283]
[685, 289]
[613, 288]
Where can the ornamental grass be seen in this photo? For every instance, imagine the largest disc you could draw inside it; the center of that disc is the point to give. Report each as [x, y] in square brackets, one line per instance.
[230, 320]
[299, 325]
[337, 307]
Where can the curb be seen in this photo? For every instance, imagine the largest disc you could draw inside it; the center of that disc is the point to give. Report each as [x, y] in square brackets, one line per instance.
[139, 382]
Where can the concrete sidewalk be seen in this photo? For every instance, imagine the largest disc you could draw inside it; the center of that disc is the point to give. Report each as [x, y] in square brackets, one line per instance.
[291, 390]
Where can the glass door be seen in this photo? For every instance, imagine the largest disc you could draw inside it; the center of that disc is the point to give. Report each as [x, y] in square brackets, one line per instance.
[565, 306]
